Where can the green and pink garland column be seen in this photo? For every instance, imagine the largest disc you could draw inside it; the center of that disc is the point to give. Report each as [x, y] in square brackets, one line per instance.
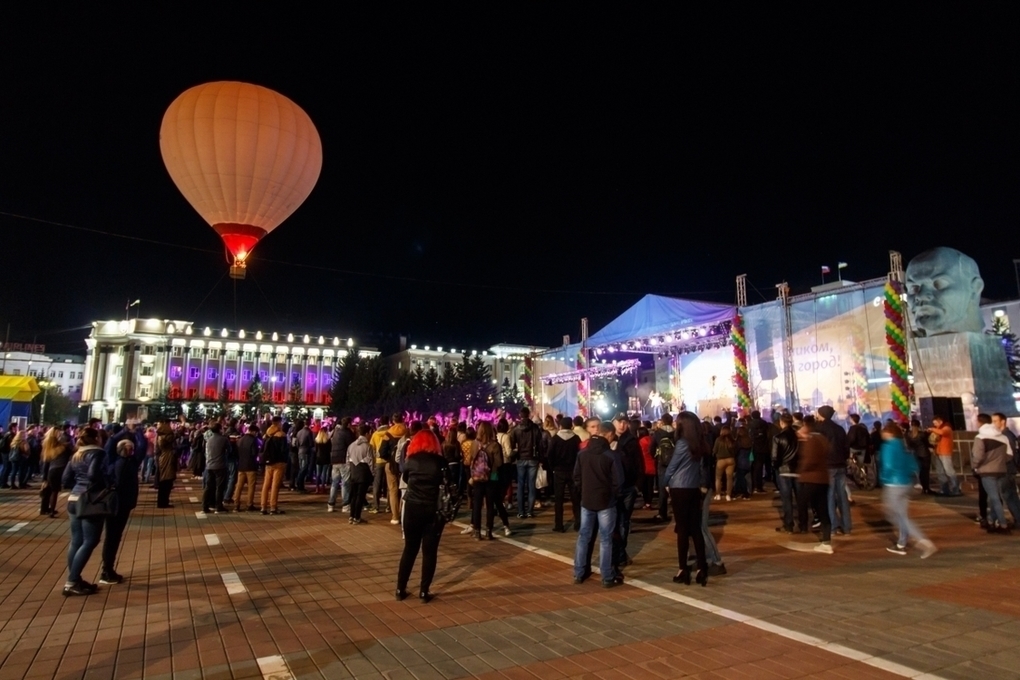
[582, 382]
[896, 339]
[740, 378]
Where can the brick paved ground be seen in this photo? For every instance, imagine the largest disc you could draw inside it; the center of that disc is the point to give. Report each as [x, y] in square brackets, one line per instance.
[313, 598]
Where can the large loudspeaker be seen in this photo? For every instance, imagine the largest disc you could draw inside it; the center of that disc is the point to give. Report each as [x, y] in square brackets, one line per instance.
[950, 408]
[763, 344]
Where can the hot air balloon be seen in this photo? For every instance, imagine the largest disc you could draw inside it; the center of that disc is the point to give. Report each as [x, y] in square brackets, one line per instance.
[245, 157]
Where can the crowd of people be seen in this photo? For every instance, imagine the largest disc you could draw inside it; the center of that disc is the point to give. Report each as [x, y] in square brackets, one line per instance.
[594, 475]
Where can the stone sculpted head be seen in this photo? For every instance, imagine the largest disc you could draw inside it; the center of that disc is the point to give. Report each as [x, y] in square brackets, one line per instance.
[944, 292]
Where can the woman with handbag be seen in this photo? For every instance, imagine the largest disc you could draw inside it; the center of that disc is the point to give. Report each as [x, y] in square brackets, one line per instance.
[362, 462]
[425, 470]
[87, 507]
[55, 455]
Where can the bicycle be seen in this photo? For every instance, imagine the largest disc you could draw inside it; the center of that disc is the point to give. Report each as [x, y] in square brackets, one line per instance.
[863, 476]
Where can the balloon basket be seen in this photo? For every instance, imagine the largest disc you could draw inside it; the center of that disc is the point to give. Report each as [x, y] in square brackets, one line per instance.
[238, 271]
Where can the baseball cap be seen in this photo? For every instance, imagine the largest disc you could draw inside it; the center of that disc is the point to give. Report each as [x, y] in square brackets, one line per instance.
[621, 417]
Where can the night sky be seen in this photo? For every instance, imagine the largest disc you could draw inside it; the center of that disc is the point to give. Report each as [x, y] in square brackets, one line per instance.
[492, 177]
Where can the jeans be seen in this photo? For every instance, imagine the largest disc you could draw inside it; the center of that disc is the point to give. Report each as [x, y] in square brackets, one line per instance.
[624, 510]
[1007, 490]
[115, 525]
[213, 497]
[947, 476]
[304, 461]
[148, 468]
[786, 492]
[321, 475]
[422, 531]
[995, 510]
[838, 500]
[895, 498]
[378, 484]
[342, 482]
[711, 547]
[231, 479]
[85, 535]
[606, 521]
[527, 471]
[563, 483]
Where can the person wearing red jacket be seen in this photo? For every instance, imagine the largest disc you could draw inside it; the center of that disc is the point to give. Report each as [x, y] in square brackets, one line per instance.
[648, 484]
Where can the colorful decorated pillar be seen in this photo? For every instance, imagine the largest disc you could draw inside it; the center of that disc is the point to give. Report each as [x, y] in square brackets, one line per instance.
[529, 381]
[740, 378]
[896, 339]
[582, 382]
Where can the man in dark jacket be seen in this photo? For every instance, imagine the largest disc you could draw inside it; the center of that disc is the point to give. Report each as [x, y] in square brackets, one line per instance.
[275, 455]
[304, 442]
[562, 457]
[839, 453]
[760, 440]
[629, 451]
[525, 442]
[125, 452]
[784, 462]
[342, 438]
[247, 468]
[598, 475]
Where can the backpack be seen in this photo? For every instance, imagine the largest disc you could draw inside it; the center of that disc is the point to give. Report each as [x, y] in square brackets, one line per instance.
[480, 467]
[388, 448]
[761, 440]
[448, 500]
[664, 450]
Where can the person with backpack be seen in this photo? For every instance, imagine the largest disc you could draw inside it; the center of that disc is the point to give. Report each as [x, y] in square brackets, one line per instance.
[343, 437]
[482, 465]
[663, 445]
[386, 452]
[725, 453]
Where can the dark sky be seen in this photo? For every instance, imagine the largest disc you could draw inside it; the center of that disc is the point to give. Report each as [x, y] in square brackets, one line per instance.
[494, 177]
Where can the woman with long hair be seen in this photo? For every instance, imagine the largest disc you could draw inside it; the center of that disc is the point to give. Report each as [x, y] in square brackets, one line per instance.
[323, 447]
[82, 473]
[362, 460]
[167, 461]
[56, 452]
[683, 482]
[493, 451]
[508, 471]
[469, 450]
[725, 454]
[425, 469]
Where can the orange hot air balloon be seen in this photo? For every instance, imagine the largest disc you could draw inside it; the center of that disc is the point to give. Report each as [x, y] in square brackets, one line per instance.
[244, 156]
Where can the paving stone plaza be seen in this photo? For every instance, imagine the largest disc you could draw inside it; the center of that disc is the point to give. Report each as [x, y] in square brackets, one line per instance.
[306, 595]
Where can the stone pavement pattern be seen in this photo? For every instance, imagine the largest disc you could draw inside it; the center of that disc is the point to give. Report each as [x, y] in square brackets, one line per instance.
[313, 598]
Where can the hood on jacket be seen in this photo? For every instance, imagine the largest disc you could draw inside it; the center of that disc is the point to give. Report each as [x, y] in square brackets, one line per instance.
[989, 431]
[274, 431]
[566, 435]
[397, 430]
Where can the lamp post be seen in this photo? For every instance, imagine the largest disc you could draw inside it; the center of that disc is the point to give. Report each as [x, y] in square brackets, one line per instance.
[45, 385]
[127, 309]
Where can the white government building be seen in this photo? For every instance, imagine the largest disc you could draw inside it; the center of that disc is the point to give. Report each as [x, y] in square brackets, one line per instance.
[131, 363]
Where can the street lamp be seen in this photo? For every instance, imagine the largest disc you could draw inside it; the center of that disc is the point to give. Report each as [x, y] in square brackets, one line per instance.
[45, 385]
[127, 309]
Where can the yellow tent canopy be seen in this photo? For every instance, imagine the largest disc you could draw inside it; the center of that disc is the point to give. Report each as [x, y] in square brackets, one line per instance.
[18, 388]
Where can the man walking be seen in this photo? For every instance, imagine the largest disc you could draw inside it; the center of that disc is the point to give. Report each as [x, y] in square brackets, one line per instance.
[1007, 485]
[342, 438]
[598, 475]
[988, 461]
[942, 433]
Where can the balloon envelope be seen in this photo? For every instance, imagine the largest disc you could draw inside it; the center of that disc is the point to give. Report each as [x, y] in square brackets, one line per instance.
[244, 156]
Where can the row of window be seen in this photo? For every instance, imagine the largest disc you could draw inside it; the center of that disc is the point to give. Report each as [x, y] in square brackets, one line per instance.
[212, 394]
[35, 373]
[231, 355]
[247, 375]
